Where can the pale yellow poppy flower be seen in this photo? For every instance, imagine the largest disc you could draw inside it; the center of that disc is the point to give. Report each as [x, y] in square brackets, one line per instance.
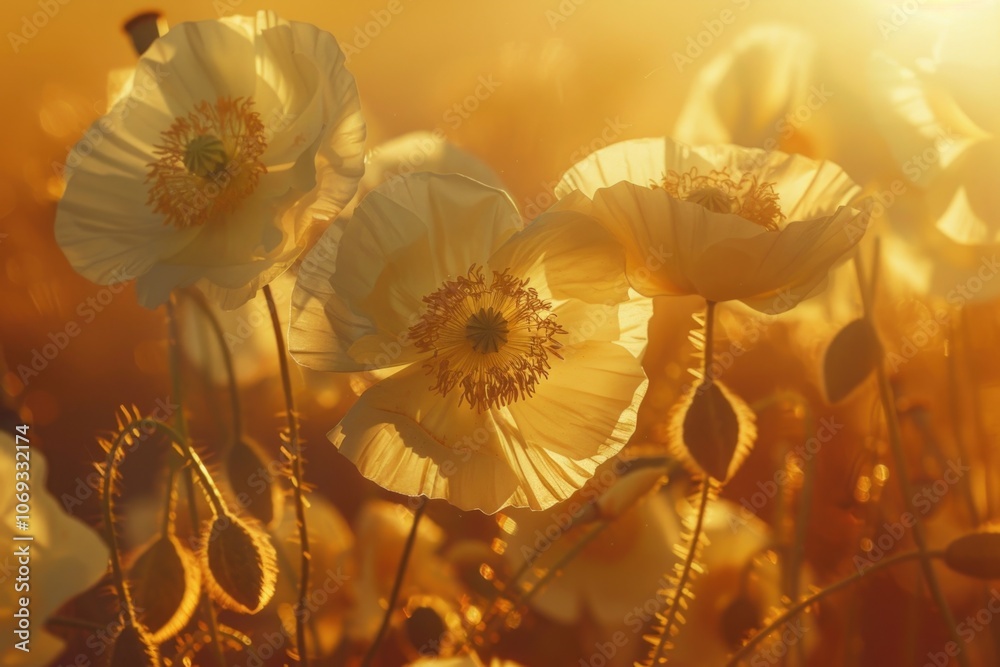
[233, 137]
[66, 557]
[724, 222]
[420, 151]
[762, 91]
[517, 351]
[941, 124]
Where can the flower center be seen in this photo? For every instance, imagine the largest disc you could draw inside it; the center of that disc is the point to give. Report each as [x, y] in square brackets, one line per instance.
[207, 163]
[714, 199]
[487, 330]
[719, 192]
[490, 341]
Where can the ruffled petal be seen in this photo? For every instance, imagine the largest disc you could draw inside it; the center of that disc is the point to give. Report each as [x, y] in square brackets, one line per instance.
[639, 161]
[791, 263]
[410, 440]
[663, 237]
[323, 325]
[579, 417]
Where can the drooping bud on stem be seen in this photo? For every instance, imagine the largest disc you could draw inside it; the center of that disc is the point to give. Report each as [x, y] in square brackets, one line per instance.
[166, 583]
[239, 564]
[134, 647]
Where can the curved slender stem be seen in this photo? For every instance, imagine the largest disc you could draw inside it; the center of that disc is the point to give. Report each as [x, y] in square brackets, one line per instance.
[899, 455]
[170, 503]
[183, 442]
[108, 491]
[397, 584]
[561, 564]
[675, 603]
[294, 453]
[227, 358]
[136, 428]
[797, 608]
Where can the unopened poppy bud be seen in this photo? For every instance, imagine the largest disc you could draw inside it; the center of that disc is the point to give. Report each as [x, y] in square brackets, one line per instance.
[134, 647]
[975, 555]
[239, 563]
[740, 617]
[712, 430]
[166, 583]
[256, 491]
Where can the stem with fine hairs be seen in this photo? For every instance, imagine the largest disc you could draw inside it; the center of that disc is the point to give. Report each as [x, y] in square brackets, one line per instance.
[657, 655]
[689, 562]
[294, 453]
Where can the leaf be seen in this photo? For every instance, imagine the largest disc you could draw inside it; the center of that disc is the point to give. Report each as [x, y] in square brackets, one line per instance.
[851, 357]
[975, 555]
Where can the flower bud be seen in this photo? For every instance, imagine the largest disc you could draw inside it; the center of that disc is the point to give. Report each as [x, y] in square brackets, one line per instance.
[256, 491]
[239, 562]
[166, 583]
[712, 430]
[134, 647]
[975, 555]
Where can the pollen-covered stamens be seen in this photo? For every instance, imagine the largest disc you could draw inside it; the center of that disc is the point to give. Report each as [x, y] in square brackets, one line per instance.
[491, 341]
[208, 162]
[719, 192]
